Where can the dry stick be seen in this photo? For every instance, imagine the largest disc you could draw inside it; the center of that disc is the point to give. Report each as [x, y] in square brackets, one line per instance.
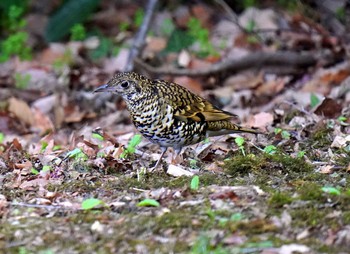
[254, 60]
[139, 41]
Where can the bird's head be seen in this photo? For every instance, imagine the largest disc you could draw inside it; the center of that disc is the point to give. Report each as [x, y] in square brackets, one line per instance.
[129, 85]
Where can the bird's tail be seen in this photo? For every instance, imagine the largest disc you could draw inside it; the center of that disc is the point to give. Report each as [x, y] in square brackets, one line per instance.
[217, 128]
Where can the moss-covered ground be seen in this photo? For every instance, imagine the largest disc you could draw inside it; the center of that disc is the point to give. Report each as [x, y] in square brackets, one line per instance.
[259, 201]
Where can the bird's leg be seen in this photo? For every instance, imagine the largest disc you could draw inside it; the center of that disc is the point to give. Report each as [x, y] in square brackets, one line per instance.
[175, 159]
[160, 158]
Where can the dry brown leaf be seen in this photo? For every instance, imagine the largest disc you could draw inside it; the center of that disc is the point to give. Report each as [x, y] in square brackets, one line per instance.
[21, 110]
[261, 120]
[327, 169]
[27, 185]
[329, 108]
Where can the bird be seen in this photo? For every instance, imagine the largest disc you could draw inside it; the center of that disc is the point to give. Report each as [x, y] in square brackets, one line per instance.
[168, 114]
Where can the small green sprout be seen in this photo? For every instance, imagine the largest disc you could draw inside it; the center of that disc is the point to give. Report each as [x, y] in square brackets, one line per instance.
[285, 134]
[343, 120]
[148, 202]
[91, 203]
[56, 147]
[2, 137]
[97, 136]
[240, 143]
[301, 154]
[270, 149]
[314, 100]
[331, 190]
[77, 153]
[195, 183]
[77, 32]
[34, 171]
[44, 144]
[130, 149]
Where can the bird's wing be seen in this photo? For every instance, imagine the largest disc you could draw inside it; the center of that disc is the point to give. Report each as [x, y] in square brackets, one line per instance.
[187, 105]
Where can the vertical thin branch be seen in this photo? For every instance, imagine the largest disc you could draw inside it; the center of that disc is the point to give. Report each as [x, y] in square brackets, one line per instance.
[139, 41]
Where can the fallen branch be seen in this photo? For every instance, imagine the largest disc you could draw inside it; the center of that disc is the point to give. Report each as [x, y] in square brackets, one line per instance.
[254, 60]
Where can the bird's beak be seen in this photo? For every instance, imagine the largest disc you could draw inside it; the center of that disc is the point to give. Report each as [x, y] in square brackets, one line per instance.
[103, 88]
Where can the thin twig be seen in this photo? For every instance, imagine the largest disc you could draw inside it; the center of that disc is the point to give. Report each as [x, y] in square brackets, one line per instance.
[254, 60]
[139, 41]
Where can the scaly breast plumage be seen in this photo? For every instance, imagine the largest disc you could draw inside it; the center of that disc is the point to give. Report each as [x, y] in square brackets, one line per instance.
[158, 123]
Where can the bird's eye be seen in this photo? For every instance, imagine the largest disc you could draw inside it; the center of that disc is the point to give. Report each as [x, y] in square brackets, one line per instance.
[124, 84]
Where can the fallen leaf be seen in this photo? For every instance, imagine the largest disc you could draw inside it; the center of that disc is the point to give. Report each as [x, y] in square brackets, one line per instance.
[326, 169]
[329, 108]
[261, 120]
[178, 171]
[21, 110]
[28, 185]
[340, 142]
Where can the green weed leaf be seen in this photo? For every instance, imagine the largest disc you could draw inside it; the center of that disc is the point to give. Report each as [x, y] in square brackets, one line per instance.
[239, 141]
[91, 203]
[314, 100]
[195, 183]
[148, 202]
[331, 190]
[77, 153]
[97, 136]
[270, 149]
[34, 171]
